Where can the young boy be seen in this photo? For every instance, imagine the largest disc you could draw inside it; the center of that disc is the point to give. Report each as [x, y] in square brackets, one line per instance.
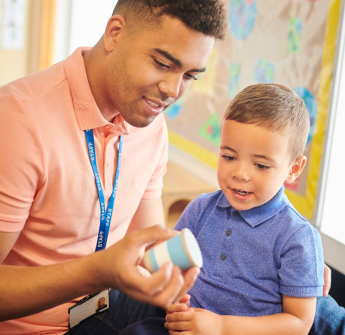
[263, 263]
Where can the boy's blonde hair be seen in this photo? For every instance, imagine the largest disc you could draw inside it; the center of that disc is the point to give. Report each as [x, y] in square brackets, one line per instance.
[274, 107]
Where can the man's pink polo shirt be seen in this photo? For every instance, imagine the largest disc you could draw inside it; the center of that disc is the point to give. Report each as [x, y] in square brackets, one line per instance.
[47, 187]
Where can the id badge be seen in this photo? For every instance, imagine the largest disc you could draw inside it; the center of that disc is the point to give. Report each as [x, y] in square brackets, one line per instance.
[88, 306]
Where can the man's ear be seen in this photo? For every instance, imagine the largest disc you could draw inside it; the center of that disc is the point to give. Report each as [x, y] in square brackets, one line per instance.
[115, 26]
[296, 169]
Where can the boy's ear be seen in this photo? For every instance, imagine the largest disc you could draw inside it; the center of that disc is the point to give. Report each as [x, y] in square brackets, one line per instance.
[296, 169]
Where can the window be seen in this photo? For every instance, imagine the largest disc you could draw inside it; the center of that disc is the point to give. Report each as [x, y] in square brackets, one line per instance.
[80, 23]
[331, 215]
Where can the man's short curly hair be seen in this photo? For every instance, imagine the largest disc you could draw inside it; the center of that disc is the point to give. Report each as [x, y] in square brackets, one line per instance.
[205, 16]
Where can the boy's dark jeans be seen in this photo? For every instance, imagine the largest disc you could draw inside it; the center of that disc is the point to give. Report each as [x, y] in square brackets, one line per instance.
[123, 311]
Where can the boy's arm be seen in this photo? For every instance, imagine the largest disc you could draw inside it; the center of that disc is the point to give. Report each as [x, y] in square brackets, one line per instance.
[297, 318]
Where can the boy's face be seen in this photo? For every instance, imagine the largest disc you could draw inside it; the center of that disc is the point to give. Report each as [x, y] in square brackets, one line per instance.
[254, 162]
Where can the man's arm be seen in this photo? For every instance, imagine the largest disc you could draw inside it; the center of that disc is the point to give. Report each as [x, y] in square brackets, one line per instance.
[7, 241]
[149, 213]
[29, 290]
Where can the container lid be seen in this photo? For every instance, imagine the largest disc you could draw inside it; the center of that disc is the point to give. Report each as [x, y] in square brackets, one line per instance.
[191, 247]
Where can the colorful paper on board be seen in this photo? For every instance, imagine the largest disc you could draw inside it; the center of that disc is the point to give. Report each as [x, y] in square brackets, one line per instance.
[234, 79]
[264, 72]
[242, 17]
[211, 130]
[294, 39]
[175, 109]
[206, 80]
[311, 105]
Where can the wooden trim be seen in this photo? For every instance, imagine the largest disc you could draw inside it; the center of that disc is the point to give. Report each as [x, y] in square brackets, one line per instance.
[47, 33]
[33, 37]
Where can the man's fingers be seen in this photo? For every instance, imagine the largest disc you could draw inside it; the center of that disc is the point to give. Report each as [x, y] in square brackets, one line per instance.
[143, 271]
[153, 284]
[189, 279]
[161, 288]
[157, 290]
[171, 291]
[151, 235]
[160, 279]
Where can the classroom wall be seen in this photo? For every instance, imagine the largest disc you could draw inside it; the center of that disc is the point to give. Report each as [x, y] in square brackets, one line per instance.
[79, 23]
[288, 42]
[30, 24]
[14, 61]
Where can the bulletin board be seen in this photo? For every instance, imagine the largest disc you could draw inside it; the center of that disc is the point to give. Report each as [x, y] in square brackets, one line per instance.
[289, 42]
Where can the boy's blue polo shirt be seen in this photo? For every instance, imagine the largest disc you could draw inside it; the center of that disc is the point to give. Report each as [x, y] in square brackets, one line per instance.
[252, 257]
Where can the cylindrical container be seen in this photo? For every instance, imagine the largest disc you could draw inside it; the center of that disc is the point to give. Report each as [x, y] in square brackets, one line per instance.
[181, 250]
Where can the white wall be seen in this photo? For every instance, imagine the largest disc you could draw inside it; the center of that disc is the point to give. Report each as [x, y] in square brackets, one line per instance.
[62, 30]
[89, 19]
[13, 58]
[80, 23]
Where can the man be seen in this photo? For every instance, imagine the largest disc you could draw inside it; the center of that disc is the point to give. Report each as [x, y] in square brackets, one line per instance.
[49, 203]
[49, 216]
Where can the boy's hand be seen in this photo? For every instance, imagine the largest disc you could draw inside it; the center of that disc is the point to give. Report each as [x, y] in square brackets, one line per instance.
[185, 300]
[196, 321]
[183, 305]
[117, 267]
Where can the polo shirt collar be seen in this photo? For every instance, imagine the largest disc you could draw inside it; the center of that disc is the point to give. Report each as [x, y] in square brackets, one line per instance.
[258, 215]
[86, 110]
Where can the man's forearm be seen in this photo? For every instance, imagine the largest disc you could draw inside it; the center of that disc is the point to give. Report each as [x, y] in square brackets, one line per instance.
[282, 324]
[29, 290]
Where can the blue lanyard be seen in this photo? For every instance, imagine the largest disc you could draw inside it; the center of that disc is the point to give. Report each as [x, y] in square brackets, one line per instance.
[105, 214]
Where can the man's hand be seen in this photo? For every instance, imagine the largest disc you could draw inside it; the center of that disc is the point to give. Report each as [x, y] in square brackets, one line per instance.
[327, 274]
[195, 321]
[29, 290]
[117, 268]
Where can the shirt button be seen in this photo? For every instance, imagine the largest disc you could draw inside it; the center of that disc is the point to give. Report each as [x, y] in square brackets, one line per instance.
[228, 232]
[223, 257]
[107, 166]
[237, 213]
